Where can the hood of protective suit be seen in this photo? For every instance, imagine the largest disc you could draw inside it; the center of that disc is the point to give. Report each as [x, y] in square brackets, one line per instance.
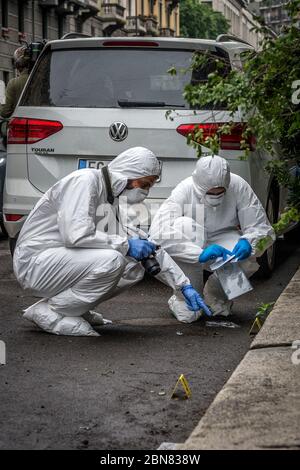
[134, 163]
[211, 172]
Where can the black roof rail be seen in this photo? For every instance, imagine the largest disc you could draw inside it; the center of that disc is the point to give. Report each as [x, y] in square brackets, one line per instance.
[230, 37]
[75, 35]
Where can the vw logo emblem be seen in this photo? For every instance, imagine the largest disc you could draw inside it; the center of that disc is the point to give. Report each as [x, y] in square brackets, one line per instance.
[118, 131]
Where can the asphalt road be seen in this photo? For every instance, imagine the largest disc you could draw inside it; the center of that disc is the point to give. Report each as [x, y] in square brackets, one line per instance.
[113, 392]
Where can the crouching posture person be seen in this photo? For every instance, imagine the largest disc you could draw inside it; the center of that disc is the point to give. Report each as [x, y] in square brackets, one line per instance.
[213, 213]
[64, 257]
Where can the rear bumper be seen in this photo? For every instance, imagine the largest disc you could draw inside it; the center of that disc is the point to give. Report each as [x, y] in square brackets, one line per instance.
[13, 228]
[23, 205]
[19, 198]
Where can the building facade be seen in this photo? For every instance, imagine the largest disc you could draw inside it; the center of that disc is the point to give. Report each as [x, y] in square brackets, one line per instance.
[275, 14]
[140, 17]
[37, 20]
[240, 19]
[26, 20]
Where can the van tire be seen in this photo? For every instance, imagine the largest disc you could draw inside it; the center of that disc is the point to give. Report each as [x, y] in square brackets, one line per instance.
[12, 245]
[3, 229]
[268, 260]
[293, 235]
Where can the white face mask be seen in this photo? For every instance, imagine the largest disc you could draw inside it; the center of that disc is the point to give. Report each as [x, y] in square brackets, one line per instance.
[135, 195]
[214, 200]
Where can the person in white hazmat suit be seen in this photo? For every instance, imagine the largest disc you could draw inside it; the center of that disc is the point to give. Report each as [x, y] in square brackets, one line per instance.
[69, 251]
[214, 213]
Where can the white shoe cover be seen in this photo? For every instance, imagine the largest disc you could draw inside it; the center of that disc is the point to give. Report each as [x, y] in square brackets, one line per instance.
[48, 320]
[74, 326]
[40, 314]
[180, 310]
[221, 308]
[95, 318]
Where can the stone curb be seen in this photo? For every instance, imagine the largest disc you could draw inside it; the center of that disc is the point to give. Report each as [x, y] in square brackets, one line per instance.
[259, 406]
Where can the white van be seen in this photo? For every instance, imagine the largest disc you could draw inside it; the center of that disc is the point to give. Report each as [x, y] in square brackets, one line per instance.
[89, 99]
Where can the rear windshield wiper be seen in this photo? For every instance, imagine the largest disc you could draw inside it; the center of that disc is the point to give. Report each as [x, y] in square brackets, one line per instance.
[144, 104]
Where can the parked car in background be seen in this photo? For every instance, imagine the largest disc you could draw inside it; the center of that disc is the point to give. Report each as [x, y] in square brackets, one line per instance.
[89, 99]
[2, 172]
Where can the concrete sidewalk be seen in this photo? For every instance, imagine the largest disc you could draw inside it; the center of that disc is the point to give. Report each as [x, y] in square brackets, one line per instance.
[259, 407]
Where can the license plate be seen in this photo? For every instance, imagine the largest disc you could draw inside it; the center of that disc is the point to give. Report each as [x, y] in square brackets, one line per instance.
[96, 164]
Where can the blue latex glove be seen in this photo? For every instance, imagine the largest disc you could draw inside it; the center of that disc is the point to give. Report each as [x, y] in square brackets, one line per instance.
[242, 249]
[140, 249]
[194, 300]
[213, 252]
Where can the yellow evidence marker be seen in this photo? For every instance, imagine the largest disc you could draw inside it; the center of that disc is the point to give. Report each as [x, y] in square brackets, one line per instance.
[183, 386]
[256, 326]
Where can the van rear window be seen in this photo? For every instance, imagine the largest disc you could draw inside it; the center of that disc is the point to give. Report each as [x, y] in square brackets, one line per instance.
[108, 78]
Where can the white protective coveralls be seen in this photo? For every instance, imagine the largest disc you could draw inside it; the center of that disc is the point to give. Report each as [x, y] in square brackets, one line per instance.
[69, 250]
[185, 224]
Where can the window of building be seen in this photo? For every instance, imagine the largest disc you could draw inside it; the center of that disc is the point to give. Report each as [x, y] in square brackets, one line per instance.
[160, 13]
[21, 16]
[78, 25]
[61, 26]
[168, 14]
[4, 13]
[151, 7]
[5, 77]
[93, 30]
[45, 23]
[142, 7]
[129, 7]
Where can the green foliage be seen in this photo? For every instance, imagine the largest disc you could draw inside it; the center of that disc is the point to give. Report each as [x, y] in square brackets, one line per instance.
[290, 216]
[263, 243]
[266, 96]
[263, 311]
[200, 21]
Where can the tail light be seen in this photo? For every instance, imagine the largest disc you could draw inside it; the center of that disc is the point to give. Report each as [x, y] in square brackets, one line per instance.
[30, 131]
[13, 217]
[230, 141]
